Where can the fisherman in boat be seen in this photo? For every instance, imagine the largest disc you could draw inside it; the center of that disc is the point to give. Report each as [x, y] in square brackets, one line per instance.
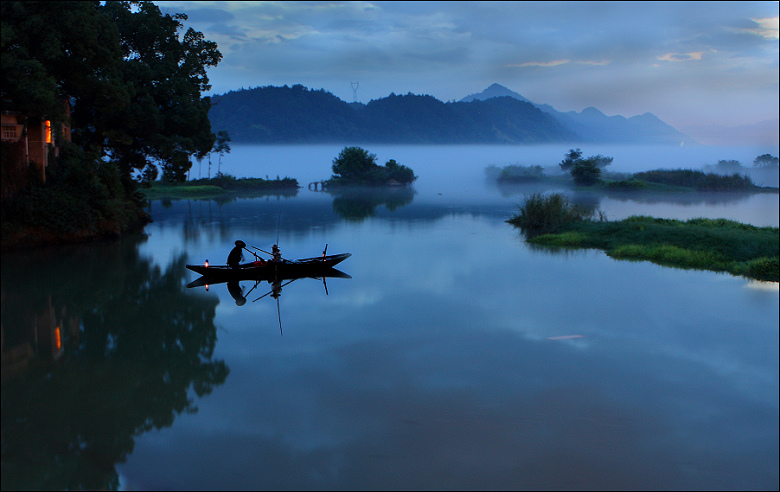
[236, 254]
[277, 255]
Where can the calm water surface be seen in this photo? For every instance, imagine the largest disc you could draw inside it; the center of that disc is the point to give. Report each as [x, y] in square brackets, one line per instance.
[456, 356]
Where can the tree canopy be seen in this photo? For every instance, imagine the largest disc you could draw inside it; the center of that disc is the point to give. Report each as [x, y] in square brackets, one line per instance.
[585, 172]
[766, 160]
[133, 83]
[355, 165]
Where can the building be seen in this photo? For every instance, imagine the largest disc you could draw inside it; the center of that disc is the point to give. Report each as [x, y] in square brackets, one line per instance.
[28, 141]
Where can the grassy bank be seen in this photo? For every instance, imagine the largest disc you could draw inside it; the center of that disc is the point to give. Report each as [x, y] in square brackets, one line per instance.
[702, 244]
[220, 185]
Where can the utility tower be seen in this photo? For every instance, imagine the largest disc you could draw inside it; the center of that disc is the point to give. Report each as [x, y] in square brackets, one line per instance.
[354, 91]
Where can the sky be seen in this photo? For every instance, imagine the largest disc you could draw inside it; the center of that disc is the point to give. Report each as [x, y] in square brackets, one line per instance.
[692, 64]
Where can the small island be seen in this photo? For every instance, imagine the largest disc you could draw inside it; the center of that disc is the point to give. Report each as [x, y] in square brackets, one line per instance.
[718, 245]
[355, 166]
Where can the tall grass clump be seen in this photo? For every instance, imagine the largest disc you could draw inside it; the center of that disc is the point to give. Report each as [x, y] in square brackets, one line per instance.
[542, 214]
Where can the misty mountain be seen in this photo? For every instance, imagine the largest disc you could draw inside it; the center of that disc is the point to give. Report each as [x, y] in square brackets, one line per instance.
[495, 90]
[497, 115]
[593, 126]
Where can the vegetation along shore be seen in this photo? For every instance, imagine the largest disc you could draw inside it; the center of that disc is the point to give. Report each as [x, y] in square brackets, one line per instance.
[718, 245]
[590, 173]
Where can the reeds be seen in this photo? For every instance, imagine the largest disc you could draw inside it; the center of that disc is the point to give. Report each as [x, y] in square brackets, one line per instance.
[541, 213]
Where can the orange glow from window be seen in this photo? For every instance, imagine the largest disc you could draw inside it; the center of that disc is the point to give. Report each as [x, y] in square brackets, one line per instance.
[48, 131]
[57, 338]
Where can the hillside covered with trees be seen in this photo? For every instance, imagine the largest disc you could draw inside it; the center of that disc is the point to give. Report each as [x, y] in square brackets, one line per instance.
[497, 115]
[300, 115]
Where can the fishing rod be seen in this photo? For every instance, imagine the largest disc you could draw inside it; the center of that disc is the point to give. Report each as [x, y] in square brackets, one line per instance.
[266, 252]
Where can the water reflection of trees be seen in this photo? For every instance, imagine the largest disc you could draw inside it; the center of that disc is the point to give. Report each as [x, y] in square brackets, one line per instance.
[99, 346]
[356, 204]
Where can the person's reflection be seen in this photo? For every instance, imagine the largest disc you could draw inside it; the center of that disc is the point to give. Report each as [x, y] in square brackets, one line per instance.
[276, 289]
[237, 292]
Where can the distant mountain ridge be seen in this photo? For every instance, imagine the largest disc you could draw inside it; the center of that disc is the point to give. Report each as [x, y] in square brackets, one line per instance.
[593, 126]
[496, 115]
[495, 90]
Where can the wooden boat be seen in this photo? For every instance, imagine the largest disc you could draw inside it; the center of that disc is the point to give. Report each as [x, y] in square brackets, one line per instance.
[268, 270]
[318, 274]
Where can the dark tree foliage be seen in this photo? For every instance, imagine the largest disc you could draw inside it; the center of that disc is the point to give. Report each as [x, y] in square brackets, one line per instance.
[766, 160]
[355, 165]
[133, 83]
[572, 156]
[585, 172]
[728, 165]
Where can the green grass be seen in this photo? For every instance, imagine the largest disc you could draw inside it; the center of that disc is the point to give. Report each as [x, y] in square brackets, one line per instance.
[220, 185]
[703, 244]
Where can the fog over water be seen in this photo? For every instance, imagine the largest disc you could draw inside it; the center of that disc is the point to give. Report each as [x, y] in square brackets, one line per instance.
[441, 166]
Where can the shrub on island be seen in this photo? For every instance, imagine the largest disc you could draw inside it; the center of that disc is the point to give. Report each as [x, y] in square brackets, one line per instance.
[356, 166]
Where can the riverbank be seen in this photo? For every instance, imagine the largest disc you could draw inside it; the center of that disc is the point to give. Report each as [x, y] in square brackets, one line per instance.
[219, 186]
[701, 244]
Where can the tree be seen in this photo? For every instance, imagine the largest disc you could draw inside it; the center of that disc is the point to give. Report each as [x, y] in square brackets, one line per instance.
[398, 172]
[222, 146]
[175, 169]
[766, 160]
[586, 172]
[134, 85]
[353, 163]
[602, 161]
[571, 158]
[728, 165]
[357, 166]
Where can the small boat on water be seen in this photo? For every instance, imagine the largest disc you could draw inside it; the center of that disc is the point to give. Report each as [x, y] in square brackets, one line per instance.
[266, 270]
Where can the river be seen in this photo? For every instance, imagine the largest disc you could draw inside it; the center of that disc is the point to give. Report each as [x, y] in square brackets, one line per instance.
[456, 356]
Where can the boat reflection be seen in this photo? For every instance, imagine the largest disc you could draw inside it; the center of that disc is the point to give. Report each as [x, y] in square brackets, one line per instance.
[277, 282]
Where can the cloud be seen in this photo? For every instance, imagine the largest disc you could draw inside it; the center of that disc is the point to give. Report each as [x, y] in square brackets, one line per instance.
[553, 63]
[767, 28]
[676, 57]
[594, 62]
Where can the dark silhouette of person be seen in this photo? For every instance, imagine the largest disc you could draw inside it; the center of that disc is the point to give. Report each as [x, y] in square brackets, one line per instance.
[237, 292]
[236, 254]
[275, 253]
